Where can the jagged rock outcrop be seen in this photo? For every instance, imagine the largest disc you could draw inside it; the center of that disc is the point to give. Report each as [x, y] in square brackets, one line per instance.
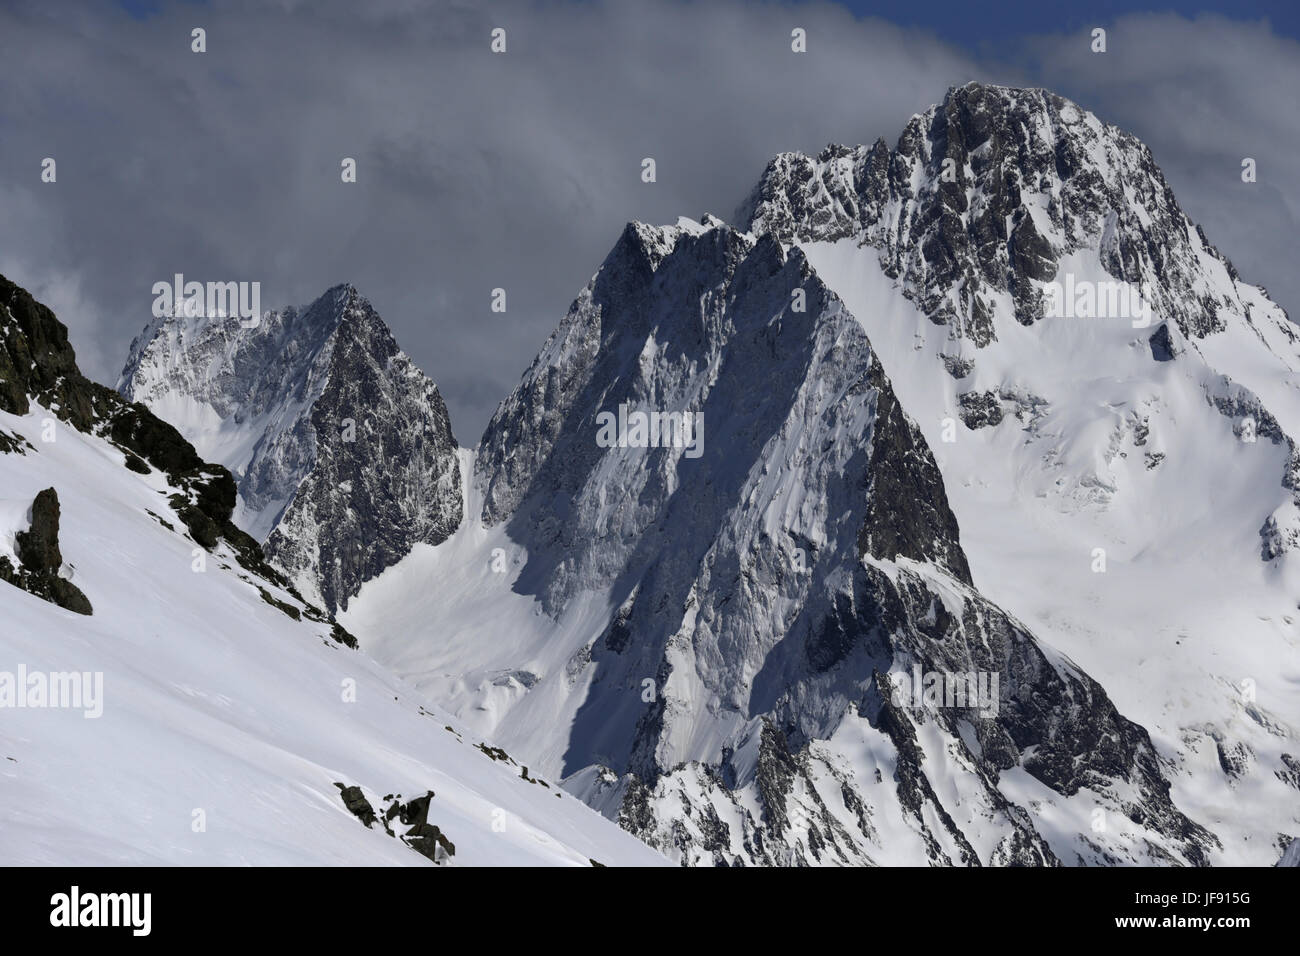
[40, 562]
[425, 838]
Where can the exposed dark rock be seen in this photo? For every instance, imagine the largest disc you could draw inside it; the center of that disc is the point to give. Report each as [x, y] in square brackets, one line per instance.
[980, 409]
[635, 814]
[1162, 344]
[1011, 150]
[1290, 855]
[136, 463]
[777, 770]
[41, 560]
[619, 631]
[343, 636]
[907, 505]
[37, 363]
[282, 606]
[427, 839]
[356, 803]
[1234, 759]
[958, 367]
[1291, 775]
[14, 444]
[424, 838]
[362, 449]
[496, 753]
[38, 547]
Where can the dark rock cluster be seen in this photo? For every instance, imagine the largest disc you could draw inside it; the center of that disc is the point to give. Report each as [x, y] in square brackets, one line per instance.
[423, 837]
[41, 560]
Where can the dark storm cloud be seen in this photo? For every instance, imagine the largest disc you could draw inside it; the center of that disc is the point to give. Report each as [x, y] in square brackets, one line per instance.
[479, 171]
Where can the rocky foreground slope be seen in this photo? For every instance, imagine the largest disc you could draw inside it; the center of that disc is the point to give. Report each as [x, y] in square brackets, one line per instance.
[196, 709]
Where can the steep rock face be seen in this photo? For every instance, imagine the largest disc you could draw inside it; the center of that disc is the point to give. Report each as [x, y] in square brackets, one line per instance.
[341, 447]
[763, 592]
[38, 546]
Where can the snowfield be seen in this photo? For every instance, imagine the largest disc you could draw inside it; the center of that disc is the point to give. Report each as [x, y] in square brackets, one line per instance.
[222, 711]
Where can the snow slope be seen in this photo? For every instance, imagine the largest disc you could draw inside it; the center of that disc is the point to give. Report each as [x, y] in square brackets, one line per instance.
[214, 700]
[230, 708]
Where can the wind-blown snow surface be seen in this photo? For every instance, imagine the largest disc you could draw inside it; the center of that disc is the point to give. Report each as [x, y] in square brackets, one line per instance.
[699, 646]
[216, 701]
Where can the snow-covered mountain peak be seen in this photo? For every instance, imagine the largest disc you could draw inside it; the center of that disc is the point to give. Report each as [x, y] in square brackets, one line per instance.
[329, 428]
[984, 199]
[1114, 410]
[722, 606]
[1003, 210]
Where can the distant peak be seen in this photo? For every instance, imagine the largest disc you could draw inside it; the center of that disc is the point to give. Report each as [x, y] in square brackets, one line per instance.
[343, 294]
[1013, 94]
[335, 304]
[978, 86]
